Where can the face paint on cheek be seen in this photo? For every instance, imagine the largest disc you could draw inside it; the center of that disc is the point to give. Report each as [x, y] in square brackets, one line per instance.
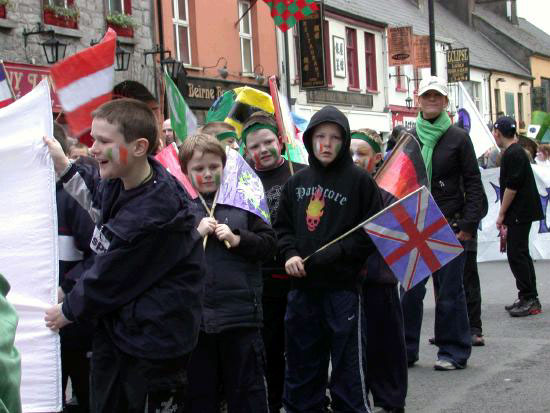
[274, 152]
[318, 146]
[337, 147]
[256, 158]
[370, 165]
[217, 179]
[118, 154]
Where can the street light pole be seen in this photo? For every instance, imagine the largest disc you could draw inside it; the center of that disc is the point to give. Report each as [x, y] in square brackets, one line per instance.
[432, 37]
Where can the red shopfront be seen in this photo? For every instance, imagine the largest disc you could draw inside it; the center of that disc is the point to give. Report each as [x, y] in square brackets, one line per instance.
[24, 77]
[401, 115]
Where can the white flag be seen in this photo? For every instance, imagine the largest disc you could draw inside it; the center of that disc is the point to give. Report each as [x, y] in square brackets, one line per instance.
[481, 136]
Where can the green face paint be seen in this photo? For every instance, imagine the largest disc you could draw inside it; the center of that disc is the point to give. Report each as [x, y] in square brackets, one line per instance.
[337, 148]
[217, 179]
[274, 152]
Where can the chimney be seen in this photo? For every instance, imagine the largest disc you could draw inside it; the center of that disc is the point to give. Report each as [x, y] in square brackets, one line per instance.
[462, 9]
[505, 9]
[419, 3]
[512, 12]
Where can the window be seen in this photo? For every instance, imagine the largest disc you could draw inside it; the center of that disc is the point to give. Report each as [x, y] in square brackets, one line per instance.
[181, 30]
[351, 48]
[245, 33]
[510, 106]
[474, 90]
[520, 107]
[328, 62]
[417, 78]
[60, 3]
[498, 103]
[399, 79]
[370, 61]
[120, 6]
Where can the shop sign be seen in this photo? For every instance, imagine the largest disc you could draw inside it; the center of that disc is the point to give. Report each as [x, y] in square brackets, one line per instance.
[400, 45]
[312, 50]
[458, 65]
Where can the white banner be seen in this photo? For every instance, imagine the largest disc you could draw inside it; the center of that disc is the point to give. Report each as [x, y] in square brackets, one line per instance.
[488, 248]
[28, 243]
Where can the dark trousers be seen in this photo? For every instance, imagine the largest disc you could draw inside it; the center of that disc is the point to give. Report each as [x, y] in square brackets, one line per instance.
[76, 365]
[521, 264]
[122, 383]
[452, 328]
[386, 351]
[234, 359]
[472, 289]
[320, 326]
[274, 341]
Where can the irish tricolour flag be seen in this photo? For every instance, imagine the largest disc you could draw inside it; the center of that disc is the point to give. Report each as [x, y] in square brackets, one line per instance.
[184, 122]
[84, 81]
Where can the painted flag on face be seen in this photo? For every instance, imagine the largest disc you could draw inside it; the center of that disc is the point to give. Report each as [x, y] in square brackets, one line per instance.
[241, 187]
[168, 157]
[84, 81]
[413, 237]
[6, 94]
[404, 171]
[286, 13]
[184, 122]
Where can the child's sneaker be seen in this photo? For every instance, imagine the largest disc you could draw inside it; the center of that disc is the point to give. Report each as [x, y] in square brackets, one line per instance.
[515, 304]
[444, 365]
[527, 307]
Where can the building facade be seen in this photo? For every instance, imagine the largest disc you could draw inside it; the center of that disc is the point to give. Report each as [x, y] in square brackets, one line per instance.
[223, 45]
[76, 23]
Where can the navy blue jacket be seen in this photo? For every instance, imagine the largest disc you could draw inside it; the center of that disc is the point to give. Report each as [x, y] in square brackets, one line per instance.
[233, 295]
[145, 286]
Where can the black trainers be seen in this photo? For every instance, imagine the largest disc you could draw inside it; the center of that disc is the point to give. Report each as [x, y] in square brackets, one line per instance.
[527, 307]
[516, 303]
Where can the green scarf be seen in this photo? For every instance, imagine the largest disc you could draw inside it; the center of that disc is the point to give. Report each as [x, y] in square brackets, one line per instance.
[429, 134]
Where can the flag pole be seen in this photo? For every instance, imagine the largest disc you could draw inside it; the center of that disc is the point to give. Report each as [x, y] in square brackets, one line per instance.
[362, 224]
[210, 213]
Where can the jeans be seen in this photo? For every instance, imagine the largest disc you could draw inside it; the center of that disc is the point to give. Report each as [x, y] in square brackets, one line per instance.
[452, 328]
[521, 264]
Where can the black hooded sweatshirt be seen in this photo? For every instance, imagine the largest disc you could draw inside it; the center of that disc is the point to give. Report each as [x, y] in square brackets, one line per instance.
[320, 203]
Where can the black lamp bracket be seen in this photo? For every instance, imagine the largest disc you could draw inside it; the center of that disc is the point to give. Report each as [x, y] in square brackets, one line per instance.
[39, 30]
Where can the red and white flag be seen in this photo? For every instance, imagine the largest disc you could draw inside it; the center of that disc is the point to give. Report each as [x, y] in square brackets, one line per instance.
[84, 81]
[6, 94]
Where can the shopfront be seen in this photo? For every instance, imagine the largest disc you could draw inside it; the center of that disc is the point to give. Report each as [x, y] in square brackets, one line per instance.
[401, 115]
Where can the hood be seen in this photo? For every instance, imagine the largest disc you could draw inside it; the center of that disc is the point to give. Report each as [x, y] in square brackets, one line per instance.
[333, 115]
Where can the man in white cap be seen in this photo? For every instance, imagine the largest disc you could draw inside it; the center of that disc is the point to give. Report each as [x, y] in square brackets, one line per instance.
[456, 186]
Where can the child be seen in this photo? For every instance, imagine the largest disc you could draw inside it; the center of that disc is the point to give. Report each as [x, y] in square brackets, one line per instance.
[223, 132]
[386, 352]
[230, 348]
[264, 147]
[324, 312]
[77, 150]
[366, 149]
[144, 287]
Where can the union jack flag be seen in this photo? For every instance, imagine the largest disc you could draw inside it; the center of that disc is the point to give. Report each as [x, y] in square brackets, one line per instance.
[414, 237]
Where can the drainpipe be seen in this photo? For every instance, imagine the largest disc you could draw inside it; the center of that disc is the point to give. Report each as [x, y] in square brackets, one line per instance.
[385, 70]
[490, 98]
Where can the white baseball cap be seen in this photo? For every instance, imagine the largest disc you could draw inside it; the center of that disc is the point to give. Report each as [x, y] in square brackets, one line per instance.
[433, 83]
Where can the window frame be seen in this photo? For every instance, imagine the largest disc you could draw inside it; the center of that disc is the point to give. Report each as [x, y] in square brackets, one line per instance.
[498, 102]
[351, 55]
[520, 107]
[370, 62]
[124, 5]
[176, 23]
[66, 3]
[241, 6]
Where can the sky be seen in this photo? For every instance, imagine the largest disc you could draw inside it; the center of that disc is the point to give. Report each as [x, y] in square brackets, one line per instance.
[536, 11]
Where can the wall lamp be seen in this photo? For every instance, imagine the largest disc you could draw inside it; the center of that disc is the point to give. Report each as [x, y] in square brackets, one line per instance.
[500, 79]
[408, 100]
[122, 56]
[222, 71]
[53, 48]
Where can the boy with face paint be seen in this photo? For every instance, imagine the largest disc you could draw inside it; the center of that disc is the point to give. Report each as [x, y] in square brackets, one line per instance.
[223, 132]
[229, 351]
[324, 318]
[264, 148]
[386, 351]
[144, 287]
[366, 149]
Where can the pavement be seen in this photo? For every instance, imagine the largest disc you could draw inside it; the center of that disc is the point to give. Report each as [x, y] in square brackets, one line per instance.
[511, 373]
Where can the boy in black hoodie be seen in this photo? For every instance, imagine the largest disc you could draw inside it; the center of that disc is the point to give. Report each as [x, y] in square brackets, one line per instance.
[324, 313]
[144, 288]
[264, 148]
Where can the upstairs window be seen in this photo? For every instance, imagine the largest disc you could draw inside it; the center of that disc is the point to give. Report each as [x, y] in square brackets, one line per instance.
[180, 9]
[245, 34]
[351, 48]
[370, 61]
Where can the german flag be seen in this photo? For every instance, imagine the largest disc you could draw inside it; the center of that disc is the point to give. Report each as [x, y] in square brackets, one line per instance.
[404, 171]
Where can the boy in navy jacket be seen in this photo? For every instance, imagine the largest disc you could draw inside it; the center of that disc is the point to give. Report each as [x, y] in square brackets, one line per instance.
[145, 285]
[230, 349]
[324, 313]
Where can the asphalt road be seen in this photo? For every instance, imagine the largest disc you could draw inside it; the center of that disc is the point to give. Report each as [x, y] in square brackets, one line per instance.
[510, 374]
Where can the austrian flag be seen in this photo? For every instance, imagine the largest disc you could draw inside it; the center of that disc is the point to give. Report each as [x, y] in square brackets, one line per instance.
[84, 81]
[413, 237]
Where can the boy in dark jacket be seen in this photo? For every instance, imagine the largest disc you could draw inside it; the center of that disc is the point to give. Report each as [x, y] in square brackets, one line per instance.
[230, 349]
[324, 312]
[264, 147]
[145, 285]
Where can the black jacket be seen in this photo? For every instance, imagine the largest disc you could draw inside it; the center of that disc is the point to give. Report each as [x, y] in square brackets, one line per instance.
[145, 286]
[233, 295]
[456, 180]
[318, 204]
[276, 281]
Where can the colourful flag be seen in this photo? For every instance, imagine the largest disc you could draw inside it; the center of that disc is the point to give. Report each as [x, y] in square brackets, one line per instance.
[168, 157]
[287, 13]
[222, 106]
[248, 101]
[404, 171]
[184, 122]
[6, 94]
[241, 187]
[413, 237]
[84, 81]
